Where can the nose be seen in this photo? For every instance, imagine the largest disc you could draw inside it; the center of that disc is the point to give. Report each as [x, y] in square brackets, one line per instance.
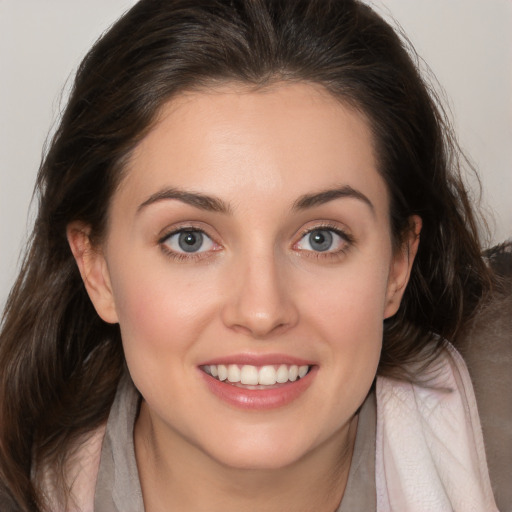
[260, 300]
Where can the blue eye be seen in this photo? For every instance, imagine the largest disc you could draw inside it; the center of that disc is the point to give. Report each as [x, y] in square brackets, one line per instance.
[189, 241]
[322, 240]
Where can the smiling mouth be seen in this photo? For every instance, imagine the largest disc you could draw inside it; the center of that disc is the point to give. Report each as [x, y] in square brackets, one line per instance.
[256, 377]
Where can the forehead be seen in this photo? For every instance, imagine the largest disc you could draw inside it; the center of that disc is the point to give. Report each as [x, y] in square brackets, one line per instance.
[278, 143]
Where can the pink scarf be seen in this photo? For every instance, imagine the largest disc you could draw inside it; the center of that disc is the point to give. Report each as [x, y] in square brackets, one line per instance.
[430, 451]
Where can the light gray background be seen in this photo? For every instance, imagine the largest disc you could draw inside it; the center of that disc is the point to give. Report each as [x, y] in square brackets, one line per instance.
[467, 44]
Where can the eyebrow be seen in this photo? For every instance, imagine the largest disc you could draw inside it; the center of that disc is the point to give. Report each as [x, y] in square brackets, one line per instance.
[201, 201]
[214, 204]
[310, 200]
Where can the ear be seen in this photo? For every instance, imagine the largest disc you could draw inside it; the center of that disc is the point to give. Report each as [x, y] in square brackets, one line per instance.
[93, 269]
[401, 266]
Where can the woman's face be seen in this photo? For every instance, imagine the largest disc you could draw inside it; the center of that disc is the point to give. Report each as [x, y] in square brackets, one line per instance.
[250, 239]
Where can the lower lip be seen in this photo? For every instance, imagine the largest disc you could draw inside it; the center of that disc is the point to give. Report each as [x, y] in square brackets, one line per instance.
[259, 399]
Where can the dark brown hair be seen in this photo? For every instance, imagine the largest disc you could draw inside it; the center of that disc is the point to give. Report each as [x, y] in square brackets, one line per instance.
[59, 363]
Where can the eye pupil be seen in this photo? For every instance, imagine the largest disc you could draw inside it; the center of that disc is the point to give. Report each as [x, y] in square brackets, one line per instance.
[320, 240]
[190, 241]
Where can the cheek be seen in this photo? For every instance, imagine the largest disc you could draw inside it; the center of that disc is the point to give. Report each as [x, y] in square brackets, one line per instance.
[159, 314]
[355, 332]
[348, 315]
[352, 299]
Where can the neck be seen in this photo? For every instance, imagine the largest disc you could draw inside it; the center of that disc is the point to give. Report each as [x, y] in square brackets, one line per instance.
[183, 477]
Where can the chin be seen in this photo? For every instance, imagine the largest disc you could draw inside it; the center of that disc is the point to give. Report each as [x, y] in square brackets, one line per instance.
[258, 460]
[262, 452]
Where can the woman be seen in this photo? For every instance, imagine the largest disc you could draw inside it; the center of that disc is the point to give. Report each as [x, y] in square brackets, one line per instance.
[227, 253]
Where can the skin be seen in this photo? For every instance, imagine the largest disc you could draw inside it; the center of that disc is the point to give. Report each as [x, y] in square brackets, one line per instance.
[256, 288]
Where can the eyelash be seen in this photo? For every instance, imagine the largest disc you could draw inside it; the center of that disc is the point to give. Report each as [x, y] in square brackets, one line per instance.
[183, 256]
[195, 256]
[329, 255]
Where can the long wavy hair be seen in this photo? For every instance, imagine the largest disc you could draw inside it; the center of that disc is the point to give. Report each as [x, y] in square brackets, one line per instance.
[59, 362]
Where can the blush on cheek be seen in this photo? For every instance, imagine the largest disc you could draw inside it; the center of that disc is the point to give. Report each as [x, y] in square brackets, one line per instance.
[157, 318]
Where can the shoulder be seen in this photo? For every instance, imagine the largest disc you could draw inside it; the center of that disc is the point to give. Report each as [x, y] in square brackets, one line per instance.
[486, 345]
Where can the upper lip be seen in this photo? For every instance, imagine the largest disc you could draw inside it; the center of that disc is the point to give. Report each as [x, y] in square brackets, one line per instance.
[258, 360]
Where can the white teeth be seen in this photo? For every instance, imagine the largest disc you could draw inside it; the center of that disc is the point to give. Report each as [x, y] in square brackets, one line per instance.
[303, 370]
[282, 374]
[233, 373]
[249, 375]
[222, 371]
[268, 375]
